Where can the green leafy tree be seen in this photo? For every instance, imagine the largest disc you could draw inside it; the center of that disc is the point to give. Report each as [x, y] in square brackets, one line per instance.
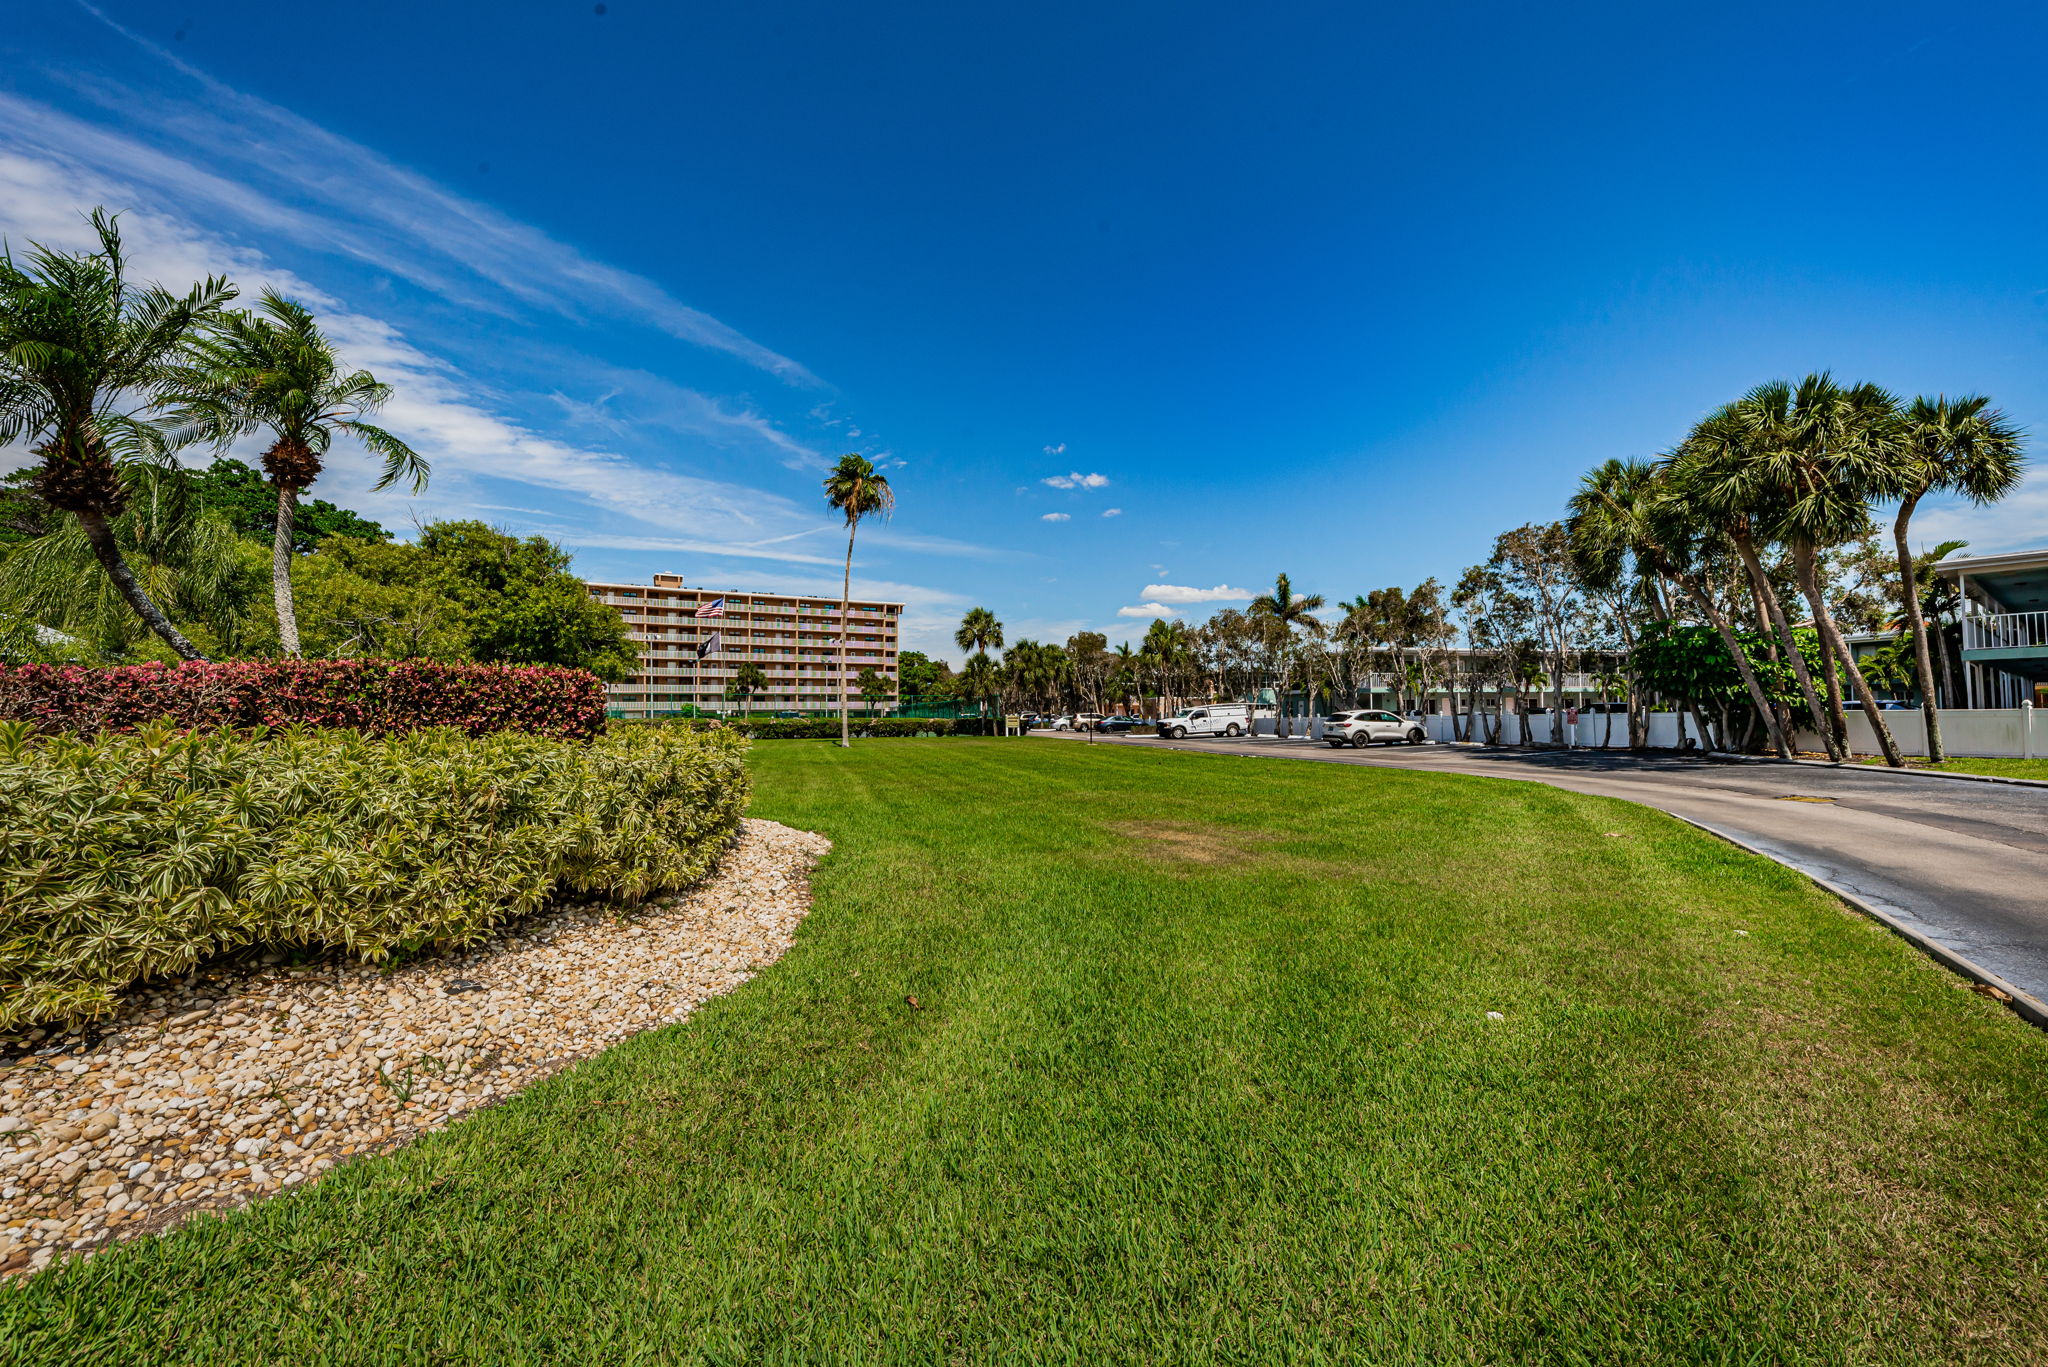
[273, 370]
[245, 498]
[855, 490]
[84, 355]
[873, 686]
[520, 603]
[921, 676]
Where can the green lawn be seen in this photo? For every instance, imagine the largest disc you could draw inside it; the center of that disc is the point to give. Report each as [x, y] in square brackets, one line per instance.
[1199, 1070]
[2003, 768]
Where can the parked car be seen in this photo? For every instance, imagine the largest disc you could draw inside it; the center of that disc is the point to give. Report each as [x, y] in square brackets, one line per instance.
[1079, 721]
[1119, 724]
[1210, 719]
[1361, 729]
[1033, 720]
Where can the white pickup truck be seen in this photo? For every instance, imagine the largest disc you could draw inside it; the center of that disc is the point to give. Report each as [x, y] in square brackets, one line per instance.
[1209, 719]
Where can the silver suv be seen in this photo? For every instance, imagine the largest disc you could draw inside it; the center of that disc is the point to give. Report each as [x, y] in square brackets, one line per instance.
[1363, 728]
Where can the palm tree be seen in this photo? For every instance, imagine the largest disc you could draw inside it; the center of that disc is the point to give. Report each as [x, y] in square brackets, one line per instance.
[1821, 451]
[979, 678]
[1952, 446]
[1715, 481]
[747, 680]
[78, 342]
[186, 557]
[855, 490]
[275, 370]
[1284, 611]
[979, 631]
[1629, 510]
[1611, 682]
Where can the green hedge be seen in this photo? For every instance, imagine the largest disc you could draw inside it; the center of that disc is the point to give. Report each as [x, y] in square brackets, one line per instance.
[805, 728]
[125, 857]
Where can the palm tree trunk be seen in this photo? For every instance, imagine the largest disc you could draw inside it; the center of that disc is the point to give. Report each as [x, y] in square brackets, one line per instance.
[1733, 645]
[1916, 622]
[845, 605]
[1760, 582]
[1832, 643]
[100, 536]
[281, 542]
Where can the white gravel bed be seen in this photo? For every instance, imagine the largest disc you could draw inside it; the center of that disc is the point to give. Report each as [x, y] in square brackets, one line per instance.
[202, 1095]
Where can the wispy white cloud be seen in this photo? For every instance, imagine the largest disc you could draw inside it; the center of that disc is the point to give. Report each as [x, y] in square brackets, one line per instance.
[1059, 450]
[1053, 517]
[1179, 593]
[1112, 512]
[1076, 480]
[219, 145]
[2017, 523]
[1148, 610]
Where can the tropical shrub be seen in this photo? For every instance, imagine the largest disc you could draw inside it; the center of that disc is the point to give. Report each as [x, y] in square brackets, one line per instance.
[376, 696]
[802, 728]
[128, 856]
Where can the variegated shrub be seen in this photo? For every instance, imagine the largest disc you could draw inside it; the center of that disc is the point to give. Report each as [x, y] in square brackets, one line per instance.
[129, 856]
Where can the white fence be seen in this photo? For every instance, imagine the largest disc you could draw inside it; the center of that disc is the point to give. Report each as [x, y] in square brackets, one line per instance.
[1983, 733]
[1987, 733]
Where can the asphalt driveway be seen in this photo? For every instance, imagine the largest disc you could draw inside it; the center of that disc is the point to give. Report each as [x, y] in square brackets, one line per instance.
[1964, 864]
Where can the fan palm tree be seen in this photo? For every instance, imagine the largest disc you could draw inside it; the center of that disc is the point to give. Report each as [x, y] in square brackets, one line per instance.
[856, 490]
[1625, 510]
[1820, 451]
[1715, 480]
[78, 344]
[1611, 682]
[979, 631]
[1284, 610]
[1949, 446]
[276, 371]
[747, 680]
[979, 678]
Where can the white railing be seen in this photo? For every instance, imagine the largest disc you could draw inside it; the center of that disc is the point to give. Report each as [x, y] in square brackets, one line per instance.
[2005, 630]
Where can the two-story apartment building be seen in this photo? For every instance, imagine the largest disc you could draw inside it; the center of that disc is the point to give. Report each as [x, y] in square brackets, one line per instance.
[692, 642]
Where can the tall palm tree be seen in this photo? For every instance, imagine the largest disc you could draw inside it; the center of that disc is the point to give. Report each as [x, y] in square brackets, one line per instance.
[275, 370]
[79, 344]
[1627, 510]
[978, 631]
[1822, 450]
[856, 490]
[1951, 446]
[1284, 610]
[1716, 481]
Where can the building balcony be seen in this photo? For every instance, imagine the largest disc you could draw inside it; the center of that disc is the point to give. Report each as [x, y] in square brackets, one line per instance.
[2022, 633]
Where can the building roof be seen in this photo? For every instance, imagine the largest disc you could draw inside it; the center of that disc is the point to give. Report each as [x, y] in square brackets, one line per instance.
[2017, 580]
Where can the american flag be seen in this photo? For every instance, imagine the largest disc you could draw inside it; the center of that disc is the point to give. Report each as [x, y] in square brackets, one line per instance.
[710, 646]
[714, 608]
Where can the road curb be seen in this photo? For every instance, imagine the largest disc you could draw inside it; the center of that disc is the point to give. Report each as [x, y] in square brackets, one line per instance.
[2027, 1007]
[1888, 770]
[1726, 757]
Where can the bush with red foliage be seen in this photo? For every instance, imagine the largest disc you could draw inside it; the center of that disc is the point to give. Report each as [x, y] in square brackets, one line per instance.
[388, 697]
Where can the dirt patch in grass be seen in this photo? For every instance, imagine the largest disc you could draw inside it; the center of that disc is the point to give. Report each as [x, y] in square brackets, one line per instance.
[1190, 843]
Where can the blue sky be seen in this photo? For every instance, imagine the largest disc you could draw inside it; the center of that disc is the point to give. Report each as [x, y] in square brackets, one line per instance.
[1130, 301]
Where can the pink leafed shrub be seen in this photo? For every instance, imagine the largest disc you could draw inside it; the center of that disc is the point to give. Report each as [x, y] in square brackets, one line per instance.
[388, 697]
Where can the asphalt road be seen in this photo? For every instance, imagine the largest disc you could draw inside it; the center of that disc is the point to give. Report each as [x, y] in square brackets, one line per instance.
[1964, 864]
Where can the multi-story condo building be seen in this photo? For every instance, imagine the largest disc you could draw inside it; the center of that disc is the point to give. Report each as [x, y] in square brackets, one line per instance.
[794, 638]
